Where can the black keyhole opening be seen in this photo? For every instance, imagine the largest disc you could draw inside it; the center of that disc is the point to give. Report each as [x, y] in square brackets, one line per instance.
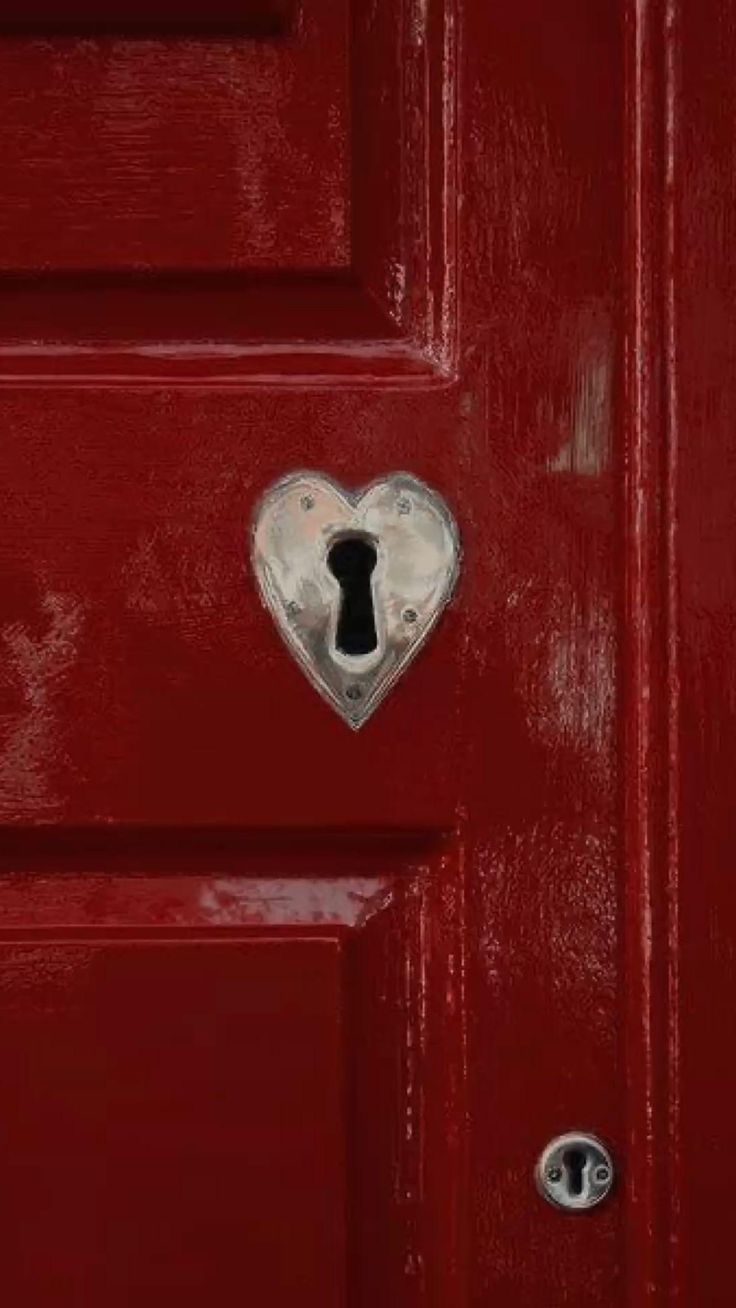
[575, 1161]
[351, 561]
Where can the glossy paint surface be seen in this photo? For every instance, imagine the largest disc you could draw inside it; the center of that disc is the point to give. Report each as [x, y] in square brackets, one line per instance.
[288, 1012]
[704, 290]
[159, 156]
[157, 1156]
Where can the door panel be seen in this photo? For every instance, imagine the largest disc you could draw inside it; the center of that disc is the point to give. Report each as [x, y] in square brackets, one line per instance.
[168, 1108]
[133, 606]
[222, 1084]
[155, 156]
[292, 1010]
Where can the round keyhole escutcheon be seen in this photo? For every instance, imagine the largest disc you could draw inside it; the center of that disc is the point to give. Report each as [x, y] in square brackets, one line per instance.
[575, 1171]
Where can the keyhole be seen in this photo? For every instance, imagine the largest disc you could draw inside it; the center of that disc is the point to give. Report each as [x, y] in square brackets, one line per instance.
[575, 1162]
[351, 561]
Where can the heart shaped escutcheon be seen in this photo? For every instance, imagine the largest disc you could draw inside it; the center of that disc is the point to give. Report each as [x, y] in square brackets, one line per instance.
[355, 582]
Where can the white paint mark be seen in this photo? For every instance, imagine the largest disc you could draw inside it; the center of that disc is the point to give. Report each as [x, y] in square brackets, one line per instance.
[587, 452]
[305, 901]
[39, 667]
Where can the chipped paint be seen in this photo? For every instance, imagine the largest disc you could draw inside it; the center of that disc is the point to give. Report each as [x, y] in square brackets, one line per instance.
[38, 669]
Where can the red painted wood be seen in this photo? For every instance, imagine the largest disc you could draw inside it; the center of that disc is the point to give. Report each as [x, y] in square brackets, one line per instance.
[649, 671]
[165, 155]
[262, 17]
[166, 1107]
[703, 986]
[287, 1013]
[171, 788]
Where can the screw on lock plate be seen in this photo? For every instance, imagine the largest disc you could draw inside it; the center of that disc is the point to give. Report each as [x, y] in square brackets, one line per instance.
[575, 1171]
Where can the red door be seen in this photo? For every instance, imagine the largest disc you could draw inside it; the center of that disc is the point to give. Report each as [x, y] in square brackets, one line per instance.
[288, 1012]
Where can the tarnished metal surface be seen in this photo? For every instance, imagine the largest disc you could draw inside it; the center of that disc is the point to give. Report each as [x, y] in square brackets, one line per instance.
[417, 555]
[575, 1172]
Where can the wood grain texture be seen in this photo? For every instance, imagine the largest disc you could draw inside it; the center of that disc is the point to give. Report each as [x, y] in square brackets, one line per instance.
[176, 154]
[544, 281]
[705, 292]
[651, 684]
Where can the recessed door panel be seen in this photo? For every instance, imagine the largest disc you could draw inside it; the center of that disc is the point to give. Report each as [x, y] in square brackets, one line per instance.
[172, 1120]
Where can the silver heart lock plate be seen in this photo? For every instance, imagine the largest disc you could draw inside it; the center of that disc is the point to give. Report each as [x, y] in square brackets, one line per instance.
[355, 582]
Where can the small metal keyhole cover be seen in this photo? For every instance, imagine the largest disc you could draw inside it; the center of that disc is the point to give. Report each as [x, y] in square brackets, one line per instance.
[575, 1171]
[414, 539]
